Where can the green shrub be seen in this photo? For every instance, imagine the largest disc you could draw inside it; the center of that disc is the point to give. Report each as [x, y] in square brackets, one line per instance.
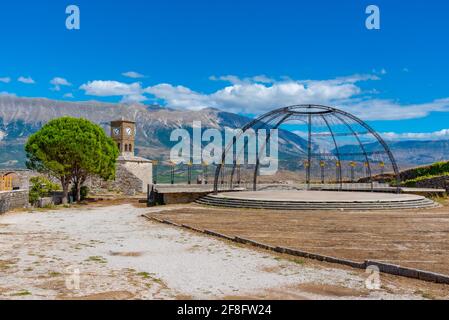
[412, 182]
[41, 187]
[434, 170]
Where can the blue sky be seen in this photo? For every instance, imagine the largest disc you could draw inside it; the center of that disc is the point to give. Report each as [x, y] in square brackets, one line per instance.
[243, 56]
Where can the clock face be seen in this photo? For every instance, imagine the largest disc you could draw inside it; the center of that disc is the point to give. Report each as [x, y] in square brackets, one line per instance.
[129, 131]
[116, 131]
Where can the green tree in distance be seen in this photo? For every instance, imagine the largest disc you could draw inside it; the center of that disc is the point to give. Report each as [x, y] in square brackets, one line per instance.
[71, 150]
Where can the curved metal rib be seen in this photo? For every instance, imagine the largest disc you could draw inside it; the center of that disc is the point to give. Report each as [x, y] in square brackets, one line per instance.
[337, 151]
[285, 118]
[382, 142]
[362, 146]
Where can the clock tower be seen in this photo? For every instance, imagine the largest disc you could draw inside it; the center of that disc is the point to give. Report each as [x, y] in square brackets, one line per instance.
[133, 174]
[124, 132]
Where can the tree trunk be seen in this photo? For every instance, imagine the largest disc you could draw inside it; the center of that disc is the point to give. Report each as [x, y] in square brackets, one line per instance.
[65, 192]
[78, 190]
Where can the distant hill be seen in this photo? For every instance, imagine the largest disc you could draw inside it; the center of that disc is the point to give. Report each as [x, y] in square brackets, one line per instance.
[410, 154]
[20, 117]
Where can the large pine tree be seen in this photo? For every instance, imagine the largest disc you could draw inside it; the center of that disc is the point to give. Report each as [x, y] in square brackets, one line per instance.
[71, 150]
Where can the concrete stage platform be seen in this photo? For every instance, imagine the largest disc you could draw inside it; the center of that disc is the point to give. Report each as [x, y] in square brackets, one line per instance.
[316, 200]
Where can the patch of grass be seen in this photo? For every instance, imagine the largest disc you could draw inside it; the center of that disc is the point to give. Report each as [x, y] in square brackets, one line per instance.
[428, 296]
[98, 259]
[144, 275]
[298, 261]
[159, 281]
[21, 293]
[440, 200]
[294, 260]
[54, 274]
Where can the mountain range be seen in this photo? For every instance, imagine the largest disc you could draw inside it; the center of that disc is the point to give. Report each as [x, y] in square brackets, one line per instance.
[21, 117]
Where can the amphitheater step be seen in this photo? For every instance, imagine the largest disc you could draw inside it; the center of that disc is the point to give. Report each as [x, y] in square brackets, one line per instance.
[304, 205]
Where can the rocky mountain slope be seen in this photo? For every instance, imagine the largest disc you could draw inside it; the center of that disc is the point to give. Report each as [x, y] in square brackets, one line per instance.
[20, 117]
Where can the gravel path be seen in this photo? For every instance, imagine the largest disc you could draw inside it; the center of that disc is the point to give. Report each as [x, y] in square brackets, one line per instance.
[113, 253]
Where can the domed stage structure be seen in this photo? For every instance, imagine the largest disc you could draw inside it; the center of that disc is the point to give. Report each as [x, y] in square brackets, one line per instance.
[327, 159]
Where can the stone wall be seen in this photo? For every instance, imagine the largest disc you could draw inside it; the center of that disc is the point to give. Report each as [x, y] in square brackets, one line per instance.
[125, 182]
[10, 200]
[143, 170]
[182, 197]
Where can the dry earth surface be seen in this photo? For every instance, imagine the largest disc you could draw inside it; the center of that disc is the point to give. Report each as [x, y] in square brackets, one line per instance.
[117, 254]
[413, 238]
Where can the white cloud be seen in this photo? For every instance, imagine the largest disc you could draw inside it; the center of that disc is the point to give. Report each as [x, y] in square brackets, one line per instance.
[236, 80]
[26, 80]
[68, 95]
[378, 109]
[252, 97]
[437, 135]
[181, 97]
[257, 95]
[5, 79]
[130, 92]
[57, 82]
[133, 75]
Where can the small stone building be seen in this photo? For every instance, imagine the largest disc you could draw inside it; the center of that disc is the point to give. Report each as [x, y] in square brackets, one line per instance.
[133, 173]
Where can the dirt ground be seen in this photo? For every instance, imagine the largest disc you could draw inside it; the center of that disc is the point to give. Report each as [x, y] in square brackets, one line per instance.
[108, 251]
[414, 238]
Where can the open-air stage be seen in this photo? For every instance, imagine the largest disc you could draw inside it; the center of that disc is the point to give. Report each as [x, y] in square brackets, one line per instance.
[316, 200]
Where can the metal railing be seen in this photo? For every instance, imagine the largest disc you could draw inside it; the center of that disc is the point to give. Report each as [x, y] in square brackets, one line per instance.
[166, 172]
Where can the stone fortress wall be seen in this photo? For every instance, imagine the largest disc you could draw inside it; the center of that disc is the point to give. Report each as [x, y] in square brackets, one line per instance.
[131, 178]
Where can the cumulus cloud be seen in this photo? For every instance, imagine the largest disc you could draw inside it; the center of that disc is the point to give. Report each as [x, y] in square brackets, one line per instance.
[57, 82]
[251, 96]
[133, 75]
[181, 97]
[5, 79]
[130, 92]
[68, 95]
[259, 94]
[26, 80]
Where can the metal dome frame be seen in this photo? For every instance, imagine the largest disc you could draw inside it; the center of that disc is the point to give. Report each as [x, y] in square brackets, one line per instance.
[309, 110]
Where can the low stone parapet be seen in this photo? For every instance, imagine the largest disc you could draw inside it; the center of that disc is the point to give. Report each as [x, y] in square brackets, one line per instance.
[10, 200]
